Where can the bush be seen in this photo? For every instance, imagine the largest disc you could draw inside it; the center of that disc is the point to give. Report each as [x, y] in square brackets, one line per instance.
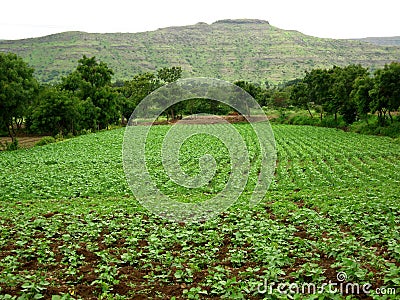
[59, 137]
[303, 120]
[373, 128]
[392, 130]
[12, 146]
[45, 140]
[9, 146]
[332, 123]
[85, 131]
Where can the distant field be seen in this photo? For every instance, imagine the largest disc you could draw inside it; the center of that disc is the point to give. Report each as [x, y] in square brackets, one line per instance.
[71, 227]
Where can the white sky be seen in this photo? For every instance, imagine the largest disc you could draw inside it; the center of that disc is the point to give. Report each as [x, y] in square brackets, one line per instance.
[323, 18]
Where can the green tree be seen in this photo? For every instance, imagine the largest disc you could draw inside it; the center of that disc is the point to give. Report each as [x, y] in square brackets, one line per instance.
[57, 111]
[18, 88]
[299, 96]
[135, 90]
[280, 98]
[251, 88]
[361, 95]
[343, 80]
[386, 91]
[169, 75]
[319, 82]
[262, 95]
[91, 82]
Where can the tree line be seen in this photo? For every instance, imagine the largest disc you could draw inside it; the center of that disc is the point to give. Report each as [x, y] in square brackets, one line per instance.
[351, 91]
[87, 99]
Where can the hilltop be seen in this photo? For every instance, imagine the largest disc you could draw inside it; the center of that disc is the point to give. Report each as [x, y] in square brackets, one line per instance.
[227, 49]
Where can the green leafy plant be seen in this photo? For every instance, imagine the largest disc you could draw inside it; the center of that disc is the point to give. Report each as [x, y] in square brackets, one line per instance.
[68, 221]
[46, 140]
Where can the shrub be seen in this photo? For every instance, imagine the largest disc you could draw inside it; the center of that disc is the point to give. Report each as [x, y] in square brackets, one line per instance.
[373, 128]
[393, 130]
[59, 136]
[85, 131]
[9, 146]
[332, 123]
[12, 146]
[45, 140]
[303, 120]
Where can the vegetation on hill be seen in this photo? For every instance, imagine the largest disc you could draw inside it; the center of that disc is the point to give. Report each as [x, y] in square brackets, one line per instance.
[231, 50]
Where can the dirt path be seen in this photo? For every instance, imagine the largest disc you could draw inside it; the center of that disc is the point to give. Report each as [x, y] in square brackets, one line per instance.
[205, 119]
[210, 119]
[23, 142]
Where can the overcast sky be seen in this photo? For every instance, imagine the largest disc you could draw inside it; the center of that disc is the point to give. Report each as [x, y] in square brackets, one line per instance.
[323, 18]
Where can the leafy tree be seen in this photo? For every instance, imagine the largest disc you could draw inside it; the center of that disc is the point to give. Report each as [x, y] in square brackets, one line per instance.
[91, 82]
[135, 90]
[251, 88]
[280, 98]
[312, 89]
[331, 89]
[18, 88]
[319, 82]
[299, 96]
[57, 111]
[264, 96]
[169, 75]
[361, 95]
[203, 105]
[386, 91]
[342, 86]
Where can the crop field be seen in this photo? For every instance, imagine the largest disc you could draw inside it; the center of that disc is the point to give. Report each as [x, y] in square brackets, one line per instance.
[328, 227]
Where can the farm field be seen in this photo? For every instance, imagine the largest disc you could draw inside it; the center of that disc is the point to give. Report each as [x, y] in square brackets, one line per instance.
[71, 228]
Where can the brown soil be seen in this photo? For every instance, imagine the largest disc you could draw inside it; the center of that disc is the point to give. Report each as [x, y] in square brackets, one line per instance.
[23, 141]
[208, 119]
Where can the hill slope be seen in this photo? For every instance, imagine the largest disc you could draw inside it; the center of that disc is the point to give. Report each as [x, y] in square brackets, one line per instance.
[228, 49]
[383, 41]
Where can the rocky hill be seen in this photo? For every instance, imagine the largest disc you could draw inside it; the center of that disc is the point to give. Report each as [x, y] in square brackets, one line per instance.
[227, 49]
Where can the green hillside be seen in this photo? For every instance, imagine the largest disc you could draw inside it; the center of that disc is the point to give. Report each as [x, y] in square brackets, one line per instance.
[228, 49]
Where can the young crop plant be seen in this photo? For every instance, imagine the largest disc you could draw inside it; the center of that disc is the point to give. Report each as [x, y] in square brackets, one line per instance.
[70, 227]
